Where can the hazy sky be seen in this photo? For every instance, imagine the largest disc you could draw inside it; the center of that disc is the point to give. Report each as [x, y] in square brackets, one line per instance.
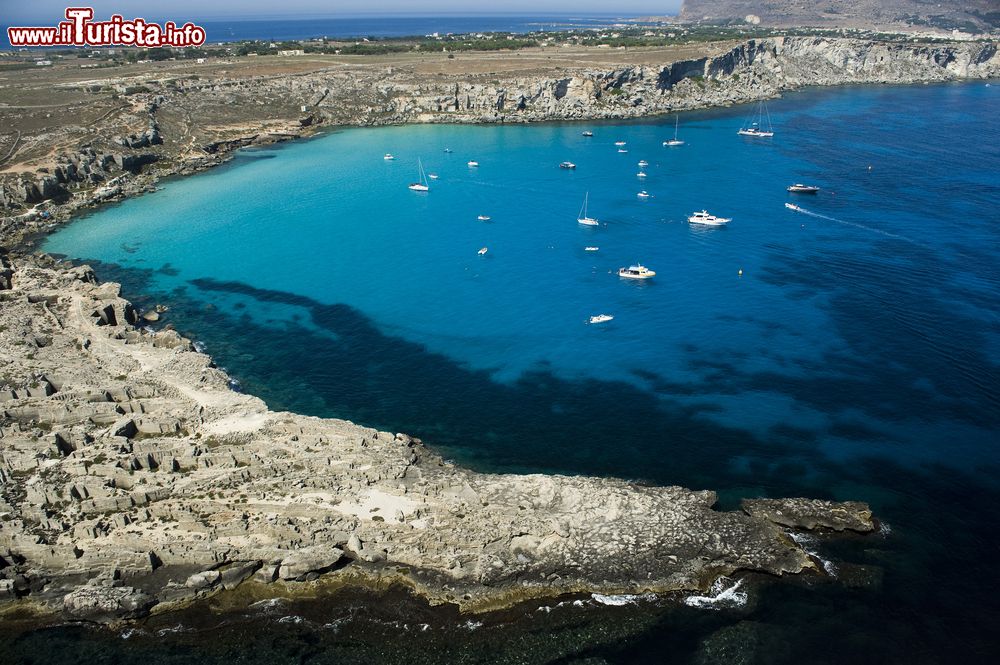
[48, 12]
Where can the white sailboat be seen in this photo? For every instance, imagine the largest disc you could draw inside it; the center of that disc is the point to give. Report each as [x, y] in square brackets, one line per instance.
[582, 217]
[420, 186]
[755, 127]
[674, 141]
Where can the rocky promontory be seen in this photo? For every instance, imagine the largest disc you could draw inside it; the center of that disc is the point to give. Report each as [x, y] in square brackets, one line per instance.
[133, 478]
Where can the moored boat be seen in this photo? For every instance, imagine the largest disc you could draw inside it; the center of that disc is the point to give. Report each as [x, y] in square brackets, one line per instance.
[799, 188]
[588, 133]
[567, 165]
[600, 318]
[637, 271]
[703, 217]
[473, 164]
[388, 157]
[755, 124]
[421, 185]
[643, 194]
[674, 141]
[582, 217]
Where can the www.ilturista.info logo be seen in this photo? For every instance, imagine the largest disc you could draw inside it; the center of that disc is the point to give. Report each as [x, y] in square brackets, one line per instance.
[80, 30]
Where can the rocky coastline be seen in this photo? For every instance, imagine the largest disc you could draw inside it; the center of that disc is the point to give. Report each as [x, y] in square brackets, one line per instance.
[133, 479]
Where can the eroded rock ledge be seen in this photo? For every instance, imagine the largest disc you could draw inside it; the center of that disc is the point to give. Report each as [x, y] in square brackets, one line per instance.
[133, 478]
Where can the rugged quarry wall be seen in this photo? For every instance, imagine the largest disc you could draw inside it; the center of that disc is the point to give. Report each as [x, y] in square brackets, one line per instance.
[750, 71]
[133, 478]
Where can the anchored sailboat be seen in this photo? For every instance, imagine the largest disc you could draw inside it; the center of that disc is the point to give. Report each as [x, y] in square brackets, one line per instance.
[422, 185]
[674, 141]
[756, 122]
[582, 217]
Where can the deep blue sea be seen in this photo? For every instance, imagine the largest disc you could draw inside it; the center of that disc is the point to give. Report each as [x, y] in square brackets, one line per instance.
[851, 351]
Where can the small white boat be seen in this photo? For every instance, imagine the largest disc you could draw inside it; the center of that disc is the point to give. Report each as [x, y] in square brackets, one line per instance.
[623, 150]
[643, 163]
[619, 143]
[799, 188]
[591, 249]
[582, 217]
[448, 150]
[637, 271]
[792, 206]
[432, 176]
[388, 157]
[482, 251]
[640, 174]
[421, 185]
[473, 164]
[484, 218]
[755, 126]
[600, 318]
[588, 133]
[705, 218]
[674, 141]
[567, 165]
[643, 194]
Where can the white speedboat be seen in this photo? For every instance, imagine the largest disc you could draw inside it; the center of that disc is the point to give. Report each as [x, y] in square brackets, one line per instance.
[567, 165]
[799, 188]
[421, 185]
[582, 217]
[432, 176]
[622, 150]
[704, 217]
[388, 157]
[591, 249]
[640, 174]
[484, 218]
[643, 163]
[482, 251]
[619, 143]
[792, 206]
[637, 271]
[473, 164]
[588, 133]
[674, 141]
[643, 194]
[600, 318]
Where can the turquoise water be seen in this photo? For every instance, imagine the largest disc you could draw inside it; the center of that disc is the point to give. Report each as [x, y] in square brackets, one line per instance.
[855, 356]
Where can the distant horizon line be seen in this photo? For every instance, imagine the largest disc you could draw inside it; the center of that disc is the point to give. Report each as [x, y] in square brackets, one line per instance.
[373, 15]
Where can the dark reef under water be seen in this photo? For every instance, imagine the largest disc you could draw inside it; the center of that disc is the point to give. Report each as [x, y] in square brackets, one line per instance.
[919, 592]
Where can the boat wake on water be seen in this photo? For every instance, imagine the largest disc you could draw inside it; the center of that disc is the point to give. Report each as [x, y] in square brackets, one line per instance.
[800, 209]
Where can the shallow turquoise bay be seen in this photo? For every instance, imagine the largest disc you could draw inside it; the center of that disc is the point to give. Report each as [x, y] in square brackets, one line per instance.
[856, 356]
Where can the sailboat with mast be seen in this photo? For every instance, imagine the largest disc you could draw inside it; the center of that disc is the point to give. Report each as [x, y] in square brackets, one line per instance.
[582, 217]
[421, 185]
[755, 125]
[674, 141]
